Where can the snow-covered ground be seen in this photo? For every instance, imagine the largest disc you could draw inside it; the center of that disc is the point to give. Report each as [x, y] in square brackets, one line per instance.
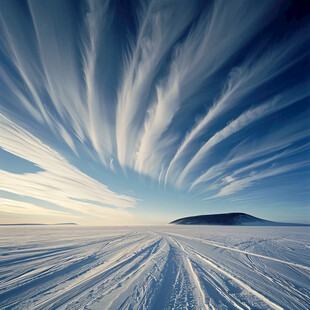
[168, 267]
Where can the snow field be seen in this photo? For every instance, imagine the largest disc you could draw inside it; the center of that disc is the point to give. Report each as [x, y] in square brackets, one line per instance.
[168, 267]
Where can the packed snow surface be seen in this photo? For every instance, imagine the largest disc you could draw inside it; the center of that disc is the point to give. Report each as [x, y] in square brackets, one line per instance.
[168, 267]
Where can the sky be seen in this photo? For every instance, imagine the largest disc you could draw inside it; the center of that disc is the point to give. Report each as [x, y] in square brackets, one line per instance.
[141, 112]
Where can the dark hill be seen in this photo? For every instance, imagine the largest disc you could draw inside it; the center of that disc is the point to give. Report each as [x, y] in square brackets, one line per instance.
[229, 219]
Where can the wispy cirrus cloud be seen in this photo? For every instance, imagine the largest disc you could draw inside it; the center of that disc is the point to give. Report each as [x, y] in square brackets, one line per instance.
[194, 61]
[284, 142]
[96, 20]
[20, 207]
[57, 83]
[242, 80]
[46, 85]
[238, 184]
[150, 88]
[233, 175]
[278, 103]
[59, 182]
[154, 40]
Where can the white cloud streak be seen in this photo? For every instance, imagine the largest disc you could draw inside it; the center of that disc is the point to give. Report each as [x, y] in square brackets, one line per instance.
[272, 159]
[55, 62]
[241, 82]
[196, 60]
[278, 103]
[20, 207]
[155, 38]
[38, 49]
[59, 182]
[99, 127]
[242, 183]
[281, 141]
[51, 85]
[27, 69]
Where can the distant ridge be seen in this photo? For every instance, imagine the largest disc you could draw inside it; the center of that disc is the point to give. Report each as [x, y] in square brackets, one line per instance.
[230, 219]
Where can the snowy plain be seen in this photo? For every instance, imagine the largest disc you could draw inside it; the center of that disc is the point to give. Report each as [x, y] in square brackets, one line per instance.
[167, 267]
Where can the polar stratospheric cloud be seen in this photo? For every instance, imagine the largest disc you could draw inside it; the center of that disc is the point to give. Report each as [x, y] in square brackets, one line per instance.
[138, 112]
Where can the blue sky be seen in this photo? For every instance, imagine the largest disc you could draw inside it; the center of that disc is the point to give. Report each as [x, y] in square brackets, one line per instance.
[128, 112]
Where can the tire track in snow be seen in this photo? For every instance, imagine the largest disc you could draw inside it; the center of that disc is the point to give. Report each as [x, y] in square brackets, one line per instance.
[240, 251]
[38, 289]
[150, 269]
[176, 288]
[238, 281]
[189, 253]
[82, 286]
[222, 293]
[137, 280]
[284, 285]
[187, 278]
[216, 290]
[198, 284]
[64, 271]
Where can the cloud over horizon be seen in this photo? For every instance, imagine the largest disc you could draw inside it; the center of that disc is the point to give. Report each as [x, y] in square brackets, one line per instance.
[207, 98]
